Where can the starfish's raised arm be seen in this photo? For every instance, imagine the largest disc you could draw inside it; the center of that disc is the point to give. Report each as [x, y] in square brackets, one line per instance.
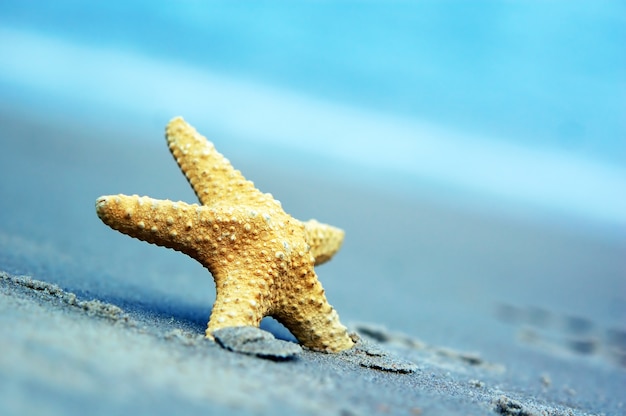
[209, 173]
[325, 240]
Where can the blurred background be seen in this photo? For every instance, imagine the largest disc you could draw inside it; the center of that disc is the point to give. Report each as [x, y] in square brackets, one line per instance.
[517, 102]
[466, 147]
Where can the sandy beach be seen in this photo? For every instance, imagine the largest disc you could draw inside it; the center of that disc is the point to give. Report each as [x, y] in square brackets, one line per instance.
[492, 315]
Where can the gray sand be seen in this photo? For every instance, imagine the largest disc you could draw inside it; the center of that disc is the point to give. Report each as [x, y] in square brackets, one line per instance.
[72, 353]
[458, 312]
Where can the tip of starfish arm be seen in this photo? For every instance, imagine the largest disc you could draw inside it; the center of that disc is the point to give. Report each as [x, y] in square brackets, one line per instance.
[112, 208]
[176, 119]
[176, 125]
[324, 240]
[103, 205]
[101, 202]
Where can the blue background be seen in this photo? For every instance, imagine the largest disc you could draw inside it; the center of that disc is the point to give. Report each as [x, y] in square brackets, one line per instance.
[515, 103]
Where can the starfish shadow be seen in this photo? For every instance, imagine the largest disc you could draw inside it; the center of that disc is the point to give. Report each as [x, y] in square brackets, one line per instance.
[168, 314]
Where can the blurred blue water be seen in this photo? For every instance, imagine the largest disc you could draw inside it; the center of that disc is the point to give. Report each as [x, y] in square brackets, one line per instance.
[548, 73]
[504, 83]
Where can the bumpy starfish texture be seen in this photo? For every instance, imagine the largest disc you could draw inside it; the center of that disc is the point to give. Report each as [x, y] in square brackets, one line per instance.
[260, 257]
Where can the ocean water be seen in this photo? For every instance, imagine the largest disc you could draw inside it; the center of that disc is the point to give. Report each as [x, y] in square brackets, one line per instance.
[516, 101]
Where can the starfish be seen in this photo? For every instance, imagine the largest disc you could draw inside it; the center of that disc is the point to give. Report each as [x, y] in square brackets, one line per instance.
[260, 257]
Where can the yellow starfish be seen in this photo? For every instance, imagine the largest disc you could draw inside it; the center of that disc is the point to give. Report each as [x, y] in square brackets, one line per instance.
[260, 257]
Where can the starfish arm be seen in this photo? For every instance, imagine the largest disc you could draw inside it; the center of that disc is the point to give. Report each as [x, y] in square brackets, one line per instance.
[174, 225]
[241, 299]
[325, 240]
[209, 173]
[315, 323]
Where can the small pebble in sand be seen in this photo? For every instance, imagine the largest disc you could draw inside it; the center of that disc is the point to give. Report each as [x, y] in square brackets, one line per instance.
[254, 341]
